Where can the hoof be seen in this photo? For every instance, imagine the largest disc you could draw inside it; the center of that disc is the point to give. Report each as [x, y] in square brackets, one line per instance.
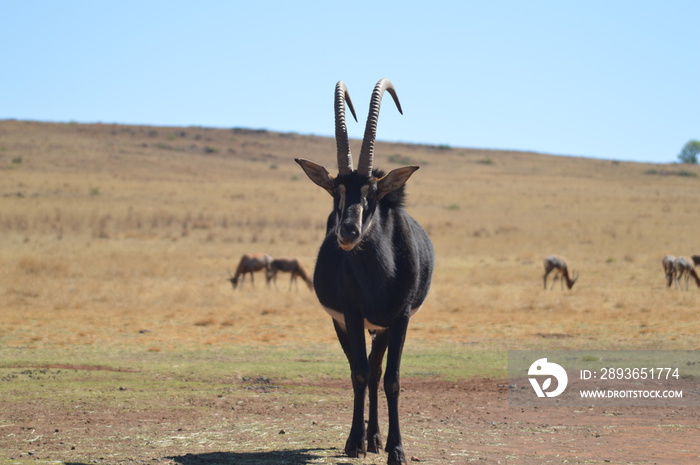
[396, 456]
[374, 444]
[355, 448]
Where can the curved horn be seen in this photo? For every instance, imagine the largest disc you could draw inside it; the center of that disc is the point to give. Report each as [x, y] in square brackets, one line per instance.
[364, 166]
[341, 131]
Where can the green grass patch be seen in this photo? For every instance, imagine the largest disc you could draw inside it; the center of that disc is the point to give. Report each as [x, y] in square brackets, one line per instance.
[454, 361]
[109, 370]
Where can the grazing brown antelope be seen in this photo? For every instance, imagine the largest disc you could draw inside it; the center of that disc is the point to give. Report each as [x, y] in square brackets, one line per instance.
[372, 273]
[685, 266]
[290, 265]
[558, 265]
[669, 269]
[251, 263]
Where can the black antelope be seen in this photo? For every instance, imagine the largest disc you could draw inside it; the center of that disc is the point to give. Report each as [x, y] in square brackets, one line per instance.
[290, 265]
[373, 271]
[251, 263]
[558, 265]
[669, 269]
[685, 266]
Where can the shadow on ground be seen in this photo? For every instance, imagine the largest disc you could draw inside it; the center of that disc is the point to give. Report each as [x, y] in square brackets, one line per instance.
[278, 457]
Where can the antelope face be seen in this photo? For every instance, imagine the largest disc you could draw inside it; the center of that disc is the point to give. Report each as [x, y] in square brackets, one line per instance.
[356, 193]
[355, 198]
[355, 201]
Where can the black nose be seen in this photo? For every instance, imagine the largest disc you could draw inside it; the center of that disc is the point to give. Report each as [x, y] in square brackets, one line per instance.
[349, 232]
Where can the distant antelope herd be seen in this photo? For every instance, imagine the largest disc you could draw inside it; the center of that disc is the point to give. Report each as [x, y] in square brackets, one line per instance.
[677, 267]
[251, 263]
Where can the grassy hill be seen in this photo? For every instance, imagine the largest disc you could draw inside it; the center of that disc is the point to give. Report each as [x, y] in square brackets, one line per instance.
[117, 235]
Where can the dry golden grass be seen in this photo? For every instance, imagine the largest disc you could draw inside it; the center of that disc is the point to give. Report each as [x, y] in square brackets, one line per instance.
[117, 235]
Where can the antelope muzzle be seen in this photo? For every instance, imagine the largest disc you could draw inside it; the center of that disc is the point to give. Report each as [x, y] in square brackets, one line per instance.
[349, 231]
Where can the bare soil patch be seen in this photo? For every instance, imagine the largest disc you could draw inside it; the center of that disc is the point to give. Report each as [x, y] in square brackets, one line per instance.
[261, 421]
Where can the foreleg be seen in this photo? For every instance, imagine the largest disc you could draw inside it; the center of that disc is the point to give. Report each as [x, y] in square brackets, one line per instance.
[380, 341]
[352, 339]
[392, 389]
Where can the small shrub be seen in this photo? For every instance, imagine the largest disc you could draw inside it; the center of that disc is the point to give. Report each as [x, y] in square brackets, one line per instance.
[205, 322]
[30, 265]
[681, 173]
[401, 159]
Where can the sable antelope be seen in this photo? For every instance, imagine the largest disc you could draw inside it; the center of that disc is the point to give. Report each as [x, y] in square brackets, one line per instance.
[669, 269]
[289, 265]
[685, 266]
[373, 271]
[251, 263]
[558, 265]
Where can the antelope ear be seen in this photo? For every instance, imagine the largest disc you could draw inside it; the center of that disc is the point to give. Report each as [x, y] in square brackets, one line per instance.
[394, 180]
[317, 173]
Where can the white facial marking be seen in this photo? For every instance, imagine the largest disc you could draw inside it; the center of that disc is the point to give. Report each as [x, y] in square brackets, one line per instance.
[341, 202]
[363, 192]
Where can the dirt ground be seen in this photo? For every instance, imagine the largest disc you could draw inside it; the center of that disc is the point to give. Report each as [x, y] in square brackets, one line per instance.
[260, 421]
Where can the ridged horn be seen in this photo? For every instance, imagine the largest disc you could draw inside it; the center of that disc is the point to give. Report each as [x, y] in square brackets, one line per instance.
[364, 166]
[341, 131]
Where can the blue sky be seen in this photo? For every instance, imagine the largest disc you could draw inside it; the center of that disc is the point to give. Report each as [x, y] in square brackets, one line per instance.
[605, 79]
